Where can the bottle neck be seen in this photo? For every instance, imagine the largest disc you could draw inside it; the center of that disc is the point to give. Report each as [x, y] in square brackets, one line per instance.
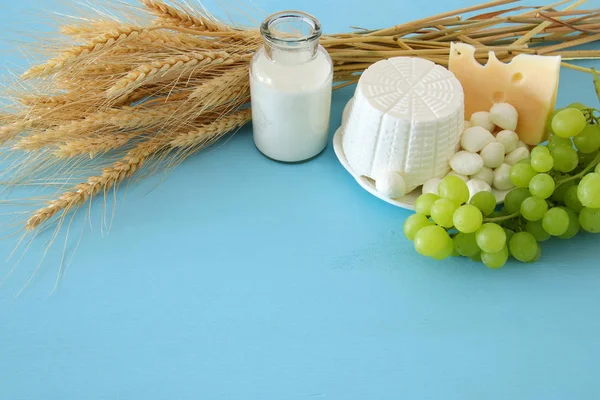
[291, 37]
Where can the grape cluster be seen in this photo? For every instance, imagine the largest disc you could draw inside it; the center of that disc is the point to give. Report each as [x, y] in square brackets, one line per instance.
[556, 194]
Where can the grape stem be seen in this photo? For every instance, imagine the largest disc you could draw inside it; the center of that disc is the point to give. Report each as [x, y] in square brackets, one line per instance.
[587, 169]
[502, 218]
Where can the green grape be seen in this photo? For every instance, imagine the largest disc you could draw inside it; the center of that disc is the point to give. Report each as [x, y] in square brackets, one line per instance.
[442, 212]
[542, 186]
[537, 230]
[588, 141]
[495, 260]
[577, 105]
[568, 122]
[597, 170]
[465, 244]
[467, 218]
[565, 159]
[524, 161]
[550, 118]
[414, 223]
[555, 221]
[476, 257]
[514, 198]
[572, 200]
[586, 158]
[573, 228]
[542, 162]
[533, 208]
[446, 251]
[588, 190]
[589, 219]
[454, 188]
[491, 238]
[424, 203]
[538, 254]
[521, 174]
[561, 191]
[523, 246]
[431, 240]
[509, 233]
[539, 150]
[485, 201]
[556, 141]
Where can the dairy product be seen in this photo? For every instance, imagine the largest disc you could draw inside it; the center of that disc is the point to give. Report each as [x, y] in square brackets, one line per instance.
[406, 116]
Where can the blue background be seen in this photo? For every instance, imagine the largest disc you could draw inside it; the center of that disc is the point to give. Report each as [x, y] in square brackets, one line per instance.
[241, 278]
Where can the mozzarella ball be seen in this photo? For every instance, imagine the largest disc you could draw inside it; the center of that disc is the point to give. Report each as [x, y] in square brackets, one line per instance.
[463, 177]
[522, 144]
[502, 177]
[475, 138]
[391, 184]
[466, 163]
[477, 185]
[504, 116]
[467, 125]
[493, 155]
[509, 139]
[486, 174]
[483, 119]
[431, 186]
[516, 155]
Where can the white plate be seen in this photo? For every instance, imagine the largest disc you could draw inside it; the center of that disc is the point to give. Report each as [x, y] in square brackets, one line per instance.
[406, 202]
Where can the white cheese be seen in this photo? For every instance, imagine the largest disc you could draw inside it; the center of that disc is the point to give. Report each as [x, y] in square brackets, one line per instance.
[509, 139]
[493, 155]
[483, 119]
[502, 177]
[520, 153]
[406, 116]
[391, 184]
[466, 163]
[504, 116]
[475, 138]
[486, 174]
[431, 185]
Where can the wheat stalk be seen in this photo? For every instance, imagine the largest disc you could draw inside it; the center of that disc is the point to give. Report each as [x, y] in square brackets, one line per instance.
[175, 17]
[124, 118]
[145, 73]
[93, 146]
[100, 42]
[132, 162]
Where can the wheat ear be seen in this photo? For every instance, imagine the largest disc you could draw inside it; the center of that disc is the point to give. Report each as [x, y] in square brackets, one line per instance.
[132, 162]
[124, 118]
[147, 72]
[208, 133]
[176, 17]
[69, 56]
[93, 146]
[229, 86]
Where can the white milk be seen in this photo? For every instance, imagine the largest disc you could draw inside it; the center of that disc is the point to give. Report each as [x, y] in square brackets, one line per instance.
[291, 101]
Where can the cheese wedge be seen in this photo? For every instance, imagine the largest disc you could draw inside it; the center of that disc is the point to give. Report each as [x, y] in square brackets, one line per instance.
[406, 116]
[528, 82]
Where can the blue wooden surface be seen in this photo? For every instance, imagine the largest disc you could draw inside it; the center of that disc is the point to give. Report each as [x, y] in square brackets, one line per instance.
[241, 278]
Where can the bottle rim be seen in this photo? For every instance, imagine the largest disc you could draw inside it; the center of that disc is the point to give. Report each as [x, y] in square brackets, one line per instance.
[311, 21]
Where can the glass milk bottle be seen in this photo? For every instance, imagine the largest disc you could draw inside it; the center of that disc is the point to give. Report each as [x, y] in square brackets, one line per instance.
[291, 84]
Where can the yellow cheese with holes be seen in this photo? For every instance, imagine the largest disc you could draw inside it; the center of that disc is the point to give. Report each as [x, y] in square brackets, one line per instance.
[528, 82]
